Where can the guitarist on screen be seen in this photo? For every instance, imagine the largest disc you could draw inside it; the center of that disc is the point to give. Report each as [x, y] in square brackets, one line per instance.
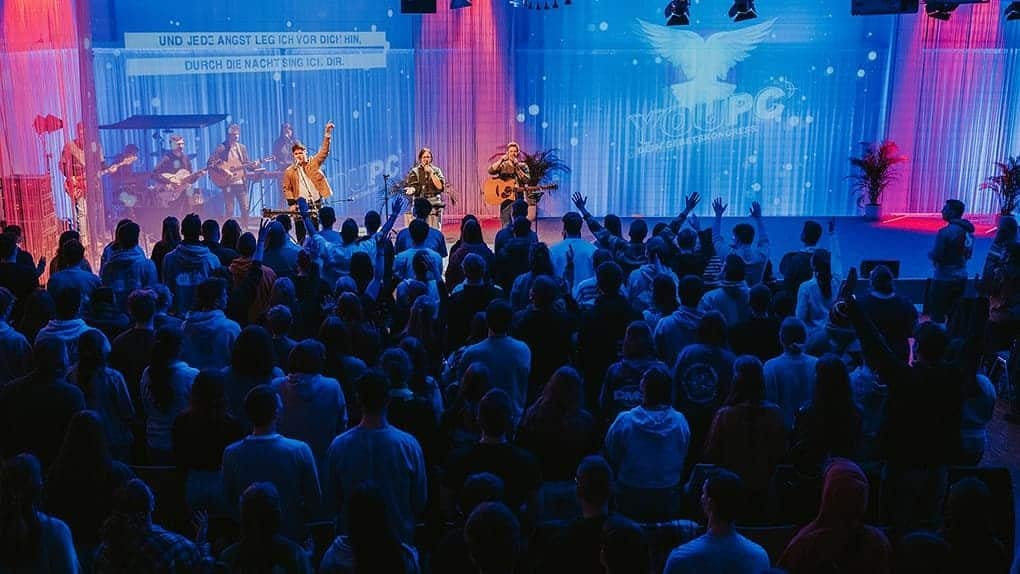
[510, 168]
[227, 165]
[72, 165]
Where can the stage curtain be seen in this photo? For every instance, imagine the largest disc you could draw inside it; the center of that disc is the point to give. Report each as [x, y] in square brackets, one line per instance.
[955, 108]
[39, 75]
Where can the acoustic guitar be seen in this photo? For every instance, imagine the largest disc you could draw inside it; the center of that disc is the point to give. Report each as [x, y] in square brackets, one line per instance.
[496, 191]
[75, 185]
[224, 172]
[176, 183]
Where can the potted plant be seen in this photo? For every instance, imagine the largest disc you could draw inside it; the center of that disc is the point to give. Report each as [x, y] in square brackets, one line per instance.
[875, 174]
[1005, 184]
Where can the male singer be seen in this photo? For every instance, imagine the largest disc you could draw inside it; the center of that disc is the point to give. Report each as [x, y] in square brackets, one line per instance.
[304, 178]
[510, 167]
[426, 180]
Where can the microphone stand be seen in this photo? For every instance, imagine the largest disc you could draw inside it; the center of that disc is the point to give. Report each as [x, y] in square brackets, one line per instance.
[386, 195]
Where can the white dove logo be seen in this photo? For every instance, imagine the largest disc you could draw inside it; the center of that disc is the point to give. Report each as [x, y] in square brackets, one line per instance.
[705, 62]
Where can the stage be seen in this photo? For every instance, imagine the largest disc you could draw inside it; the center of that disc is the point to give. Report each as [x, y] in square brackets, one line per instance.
[906, 238]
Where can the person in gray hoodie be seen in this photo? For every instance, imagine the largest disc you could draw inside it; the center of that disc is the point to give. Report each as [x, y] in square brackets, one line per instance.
[68, 325]
[128, 268]
[790, 377]
[188, 265]
[954, 246]
[647, 448]
[208, 334]
[314, 407]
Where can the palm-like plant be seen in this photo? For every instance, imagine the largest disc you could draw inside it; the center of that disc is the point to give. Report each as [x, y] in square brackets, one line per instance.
[1005, 184]
[542, 164]
[876, 170]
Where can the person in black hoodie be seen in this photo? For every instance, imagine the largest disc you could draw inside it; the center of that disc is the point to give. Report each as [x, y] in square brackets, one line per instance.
[795, 266]
[36, 409]
[894, 315]
[468, 298]
[512, 259]
[757, 335]
[921, 431]
[602, 329]
[547, 330]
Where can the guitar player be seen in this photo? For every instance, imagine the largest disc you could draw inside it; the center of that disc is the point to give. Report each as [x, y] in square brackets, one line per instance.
[509, 168]
[72, 166]
[229, 161]
[173, 162]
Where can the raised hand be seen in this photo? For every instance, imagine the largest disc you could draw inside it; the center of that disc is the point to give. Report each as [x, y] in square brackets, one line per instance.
[755, 209]
[398, 204]
[694, 221]
[302, 205]
[329, 128]
[719, 207]
[200, 523]
[579, 200]
[849, 285]
[263, 230]
[692, 201]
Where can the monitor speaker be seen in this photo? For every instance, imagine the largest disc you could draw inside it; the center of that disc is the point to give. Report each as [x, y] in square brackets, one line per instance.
[418, 6]
[870, 7]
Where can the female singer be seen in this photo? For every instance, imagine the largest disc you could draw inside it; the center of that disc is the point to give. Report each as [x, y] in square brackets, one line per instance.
[426, 180]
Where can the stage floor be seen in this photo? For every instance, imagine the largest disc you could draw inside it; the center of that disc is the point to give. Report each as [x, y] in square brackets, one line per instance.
[906, 237]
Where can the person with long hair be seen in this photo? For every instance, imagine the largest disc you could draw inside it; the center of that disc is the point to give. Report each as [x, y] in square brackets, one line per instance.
[539, 263]
[166, 390]
[621, 388]
[231, 233]
[251, 364]
[410, 409]
[200, 435]
[262, 549]
[132, 543]
[82, 480]
[171, 238]
[30, 541]
[979, 397]
[748, 435]
[371, 545]
[557, 429]
[471, 241]
[459, 422]
[341, 364]
[829, 425]
[816, 296]
[424, 325]
[421, 381]
[59, 261]
[105, 391]
[664, 300]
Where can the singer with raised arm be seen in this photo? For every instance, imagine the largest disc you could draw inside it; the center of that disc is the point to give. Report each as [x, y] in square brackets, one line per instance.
[426, 180]
[509, 167]
[304, 177]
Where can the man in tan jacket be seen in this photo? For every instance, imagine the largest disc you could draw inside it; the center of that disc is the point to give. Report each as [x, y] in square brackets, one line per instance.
[304, 178]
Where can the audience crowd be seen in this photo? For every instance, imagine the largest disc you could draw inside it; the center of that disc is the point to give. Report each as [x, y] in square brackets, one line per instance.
[338, 403]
